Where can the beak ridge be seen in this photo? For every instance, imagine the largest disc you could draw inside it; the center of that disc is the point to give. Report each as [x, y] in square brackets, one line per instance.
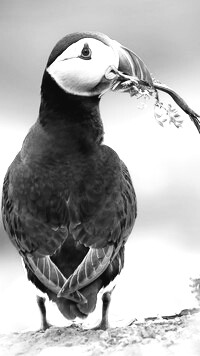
[131, 64]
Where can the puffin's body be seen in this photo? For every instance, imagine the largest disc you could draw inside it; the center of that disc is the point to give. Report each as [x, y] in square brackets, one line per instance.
[68, 201]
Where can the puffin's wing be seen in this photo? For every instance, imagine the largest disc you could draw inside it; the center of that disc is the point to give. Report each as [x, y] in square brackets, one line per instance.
[35, 233]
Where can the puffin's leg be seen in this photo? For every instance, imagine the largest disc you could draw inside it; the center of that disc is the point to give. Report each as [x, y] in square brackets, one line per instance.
[41, 304]
[106, 299]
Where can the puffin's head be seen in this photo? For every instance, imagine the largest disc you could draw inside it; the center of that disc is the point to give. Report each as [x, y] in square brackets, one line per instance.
[82, 63]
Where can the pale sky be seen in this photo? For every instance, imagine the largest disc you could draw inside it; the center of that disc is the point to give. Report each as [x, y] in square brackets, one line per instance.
[164, 162]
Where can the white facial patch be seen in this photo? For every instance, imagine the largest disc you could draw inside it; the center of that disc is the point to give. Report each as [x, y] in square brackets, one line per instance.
[80, 76]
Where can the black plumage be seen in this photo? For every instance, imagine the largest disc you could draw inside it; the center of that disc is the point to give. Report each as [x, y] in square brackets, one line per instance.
[66, 193]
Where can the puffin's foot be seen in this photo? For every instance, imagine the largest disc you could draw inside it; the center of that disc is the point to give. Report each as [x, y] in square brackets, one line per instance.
[106, 299]
[44, 323]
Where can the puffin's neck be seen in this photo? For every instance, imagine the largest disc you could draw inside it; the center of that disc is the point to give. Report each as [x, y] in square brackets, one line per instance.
[73, 120]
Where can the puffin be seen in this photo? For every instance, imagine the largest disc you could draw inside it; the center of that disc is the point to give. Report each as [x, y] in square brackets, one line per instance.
[68, 202]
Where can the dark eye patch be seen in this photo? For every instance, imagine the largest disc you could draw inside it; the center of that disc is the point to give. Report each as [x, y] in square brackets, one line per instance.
[86, 52]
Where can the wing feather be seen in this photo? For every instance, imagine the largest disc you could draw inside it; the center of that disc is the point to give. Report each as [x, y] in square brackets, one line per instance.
[47, 272]
[93, 265]
[28, 230]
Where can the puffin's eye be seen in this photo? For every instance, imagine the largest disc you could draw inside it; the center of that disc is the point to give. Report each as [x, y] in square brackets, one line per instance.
[86, 52]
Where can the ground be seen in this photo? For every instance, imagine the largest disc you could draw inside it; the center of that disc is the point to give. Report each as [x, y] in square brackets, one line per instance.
[174, 336]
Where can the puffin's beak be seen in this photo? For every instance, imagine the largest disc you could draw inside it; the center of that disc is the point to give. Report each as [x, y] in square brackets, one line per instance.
[131, 64]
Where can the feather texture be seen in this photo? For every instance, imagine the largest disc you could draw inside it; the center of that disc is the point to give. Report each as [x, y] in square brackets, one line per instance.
[47, 272]
[94, 264]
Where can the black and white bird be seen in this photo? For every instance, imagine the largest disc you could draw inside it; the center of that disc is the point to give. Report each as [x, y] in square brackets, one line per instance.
[68, 203]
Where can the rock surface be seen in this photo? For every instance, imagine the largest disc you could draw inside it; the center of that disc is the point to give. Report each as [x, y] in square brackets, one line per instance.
[178, 335]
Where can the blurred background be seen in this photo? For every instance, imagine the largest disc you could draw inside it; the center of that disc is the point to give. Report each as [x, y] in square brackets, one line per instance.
[164, 249]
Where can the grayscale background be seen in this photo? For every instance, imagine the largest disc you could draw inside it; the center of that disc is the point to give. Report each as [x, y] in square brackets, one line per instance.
[163, 250]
